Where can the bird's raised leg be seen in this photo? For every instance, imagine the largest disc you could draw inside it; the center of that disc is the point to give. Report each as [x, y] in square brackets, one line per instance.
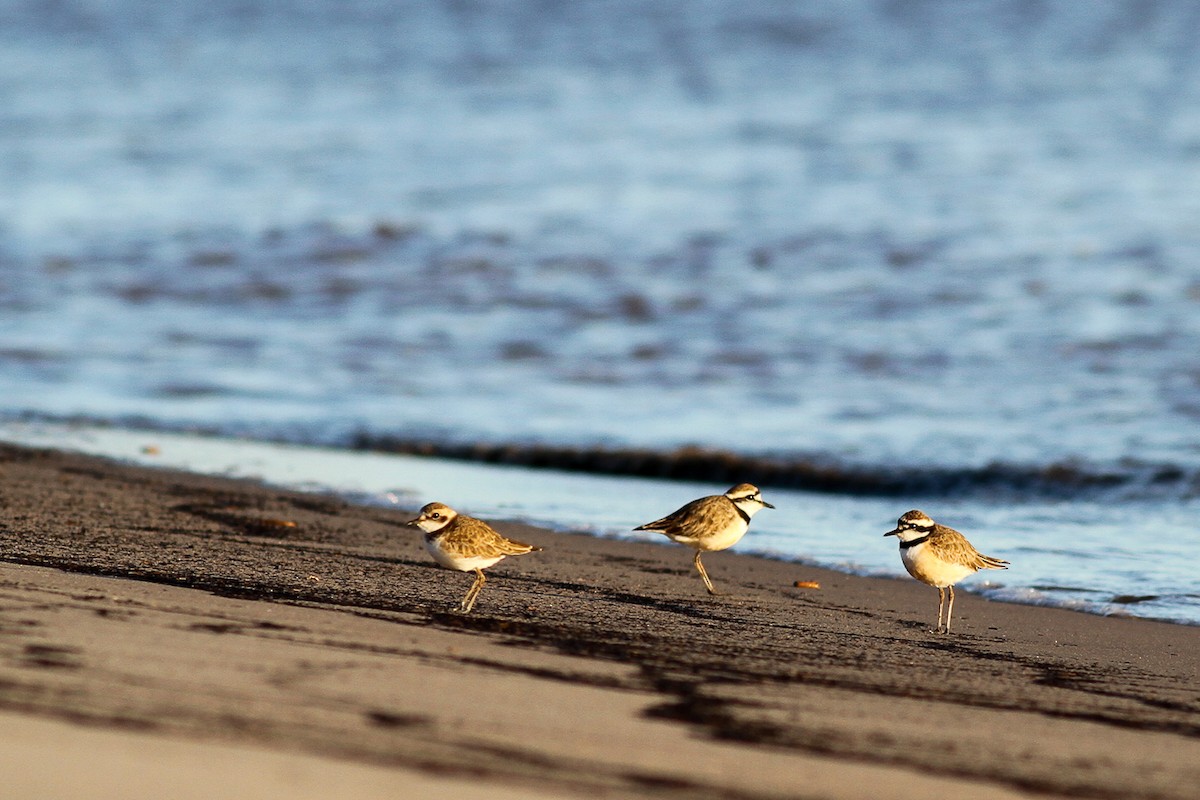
[468, 602]
[704, 575]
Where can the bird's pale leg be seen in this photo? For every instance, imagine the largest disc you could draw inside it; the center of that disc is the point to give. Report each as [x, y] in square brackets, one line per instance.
[941, 607]
[950, 613]
[704, 575]
[468, 602]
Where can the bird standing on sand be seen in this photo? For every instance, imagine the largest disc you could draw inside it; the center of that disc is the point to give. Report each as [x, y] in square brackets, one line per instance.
[938, 556]
[711, 523]
[464, 543]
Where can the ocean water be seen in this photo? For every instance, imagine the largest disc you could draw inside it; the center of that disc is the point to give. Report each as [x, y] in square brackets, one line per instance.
[876, 254]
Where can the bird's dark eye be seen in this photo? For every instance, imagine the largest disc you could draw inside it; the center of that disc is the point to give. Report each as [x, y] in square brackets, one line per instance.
[437, 515]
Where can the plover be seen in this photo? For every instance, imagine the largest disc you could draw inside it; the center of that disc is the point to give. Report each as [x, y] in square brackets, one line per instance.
[711, 523]
[938, 556]
[464, 543]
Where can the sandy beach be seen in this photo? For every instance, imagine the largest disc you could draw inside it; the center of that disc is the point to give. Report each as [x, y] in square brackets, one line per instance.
[168, 634]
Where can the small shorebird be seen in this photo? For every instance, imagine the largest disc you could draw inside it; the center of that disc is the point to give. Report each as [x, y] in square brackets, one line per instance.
[711, 523]
[464, 543]
[938, 556]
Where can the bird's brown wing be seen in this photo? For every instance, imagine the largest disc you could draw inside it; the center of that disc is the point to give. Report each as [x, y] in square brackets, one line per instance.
[952, 546]
[695, 519]
[477, 537]
[670, 521]
[988, 562]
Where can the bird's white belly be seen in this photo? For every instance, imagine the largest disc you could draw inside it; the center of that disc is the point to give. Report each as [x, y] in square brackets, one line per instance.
[717, 540]
[928, 568]
[459, 562]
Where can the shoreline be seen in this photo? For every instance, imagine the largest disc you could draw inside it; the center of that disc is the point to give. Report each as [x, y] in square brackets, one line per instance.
[812, 472]
[307, 625]
[525, 493]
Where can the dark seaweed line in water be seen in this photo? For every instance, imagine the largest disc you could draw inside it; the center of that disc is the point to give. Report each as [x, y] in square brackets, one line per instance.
[813, 473]
[805, 473]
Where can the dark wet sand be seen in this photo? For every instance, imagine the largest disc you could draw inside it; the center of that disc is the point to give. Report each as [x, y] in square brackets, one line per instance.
[163, 634]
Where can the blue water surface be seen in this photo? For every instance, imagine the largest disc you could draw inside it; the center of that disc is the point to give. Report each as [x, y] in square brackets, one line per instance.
[888, 237]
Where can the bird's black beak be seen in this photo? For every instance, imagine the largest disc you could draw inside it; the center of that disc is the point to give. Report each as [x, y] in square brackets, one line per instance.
[766, 504]
[893, 533]
[412, 523]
